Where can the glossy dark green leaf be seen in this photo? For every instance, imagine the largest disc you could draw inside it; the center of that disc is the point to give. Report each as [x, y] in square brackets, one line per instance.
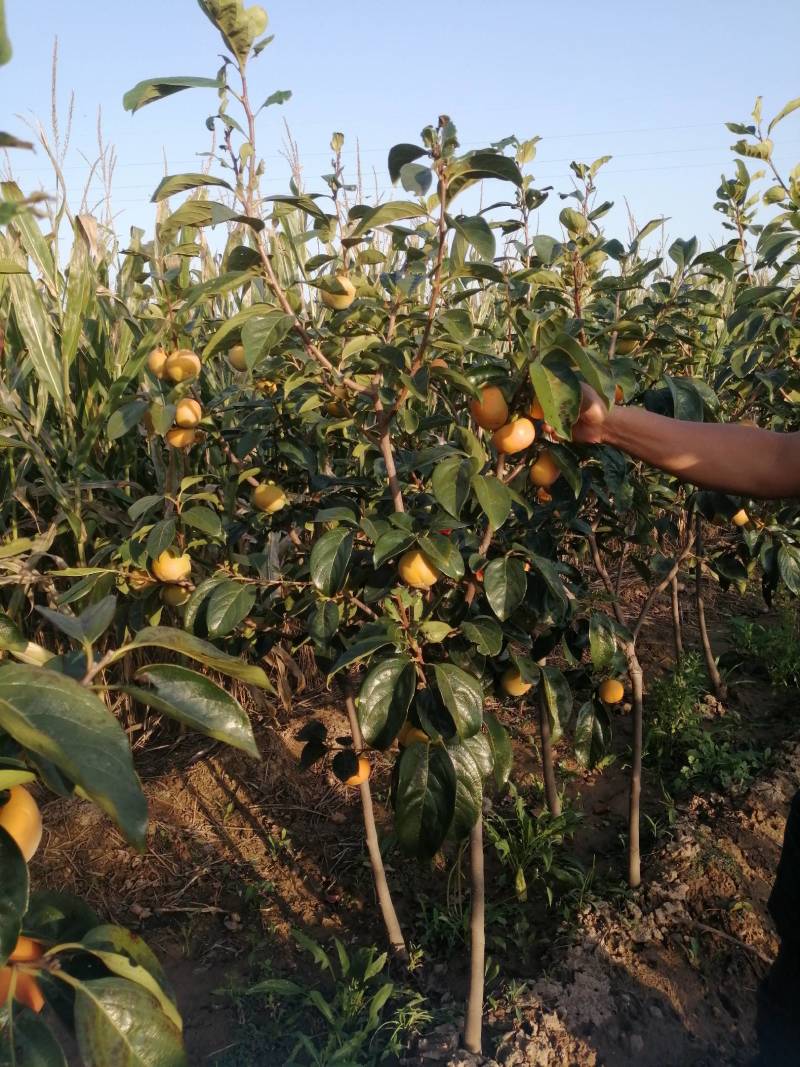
[477, 231]
[451, 484]
[195, 700]
[127, 956]
[558, 390]
[424, 799]
[330, 560]
[195, 648]
[360, 649]
[58, 917]
[14, 886]
[391, 211]
[505, 583]
[558, 698]
[789, 567]
[602, 641]
[323, 622]
[58, 719]
[31, 1043]
[125, 418]
[502, 753]
[592, 733]
[203, 519]
[462, 695]
[493, 497]
[484, 633]
[444, 555]
[161, 537]
[595, 370]
[384, 699]
[390, 544]
[400, 155]
[229, 603]
[469, 791]
[118, 1022]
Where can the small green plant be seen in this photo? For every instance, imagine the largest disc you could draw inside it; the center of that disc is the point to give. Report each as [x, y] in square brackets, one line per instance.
[774, 648]
[714, 762]
[530, 846]
[674, 716]
[354, 1015]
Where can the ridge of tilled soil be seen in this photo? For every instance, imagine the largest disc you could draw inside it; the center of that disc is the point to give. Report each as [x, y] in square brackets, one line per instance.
[667, 978]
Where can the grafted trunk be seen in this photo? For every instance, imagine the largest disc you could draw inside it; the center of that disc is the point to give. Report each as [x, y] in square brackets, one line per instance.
[720, 692]
[551, 796]
[388, 913]
[473, 1020]
[634, 806]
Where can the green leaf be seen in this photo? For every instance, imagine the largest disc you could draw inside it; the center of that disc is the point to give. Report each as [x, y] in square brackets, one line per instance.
[59, 720]
[228, 605]
[239, 25]
[179, 183]
[558, 390]
[469, 791]
[451, 484]
[129, 958]
[280, 96]
[14, 887]
[602, 641]
[193, 699]
[391, 543]
[493, 497]
[203, 519]
[384, 699]
[477, 231]
[557, 696]
[462, 694]
[34, 1043]
[147, 92]
[573, 221]
[199, 213]
[787, 109]
[592, 733]
[424, 799]
[195, 648]
[5, 43]
[415, 178]
[125, 418]
[485, 634]
[161, 537]
[595, 370]
[502, 752]
[443, 554]
[360, 649]
[789, 567]
[262, 333]
[329, 564]
[391, 211]
[400, 155]
[37, 334]
[119, 1022]
[458, 323]
[505, 584]
[324, 621]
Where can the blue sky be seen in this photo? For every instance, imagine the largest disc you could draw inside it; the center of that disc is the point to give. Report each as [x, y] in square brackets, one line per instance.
[650, 84]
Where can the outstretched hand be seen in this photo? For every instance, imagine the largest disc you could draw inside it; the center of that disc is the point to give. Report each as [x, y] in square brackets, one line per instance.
[588, 430]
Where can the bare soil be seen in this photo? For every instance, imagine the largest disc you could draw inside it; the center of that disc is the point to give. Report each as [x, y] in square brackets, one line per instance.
[240, 853]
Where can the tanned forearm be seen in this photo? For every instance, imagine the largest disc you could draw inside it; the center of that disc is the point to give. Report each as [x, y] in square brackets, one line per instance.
[727, 457]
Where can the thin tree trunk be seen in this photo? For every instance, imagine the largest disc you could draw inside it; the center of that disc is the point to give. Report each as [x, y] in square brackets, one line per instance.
[634, 808]
[708, 653]
[548, 765]
[677, 630]
[390, 920]
[473, 1021]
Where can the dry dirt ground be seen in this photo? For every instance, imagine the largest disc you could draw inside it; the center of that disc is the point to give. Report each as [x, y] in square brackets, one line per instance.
[242, 852]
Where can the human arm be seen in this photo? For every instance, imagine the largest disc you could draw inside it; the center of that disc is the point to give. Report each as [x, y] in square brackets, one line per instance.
[728, 457]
